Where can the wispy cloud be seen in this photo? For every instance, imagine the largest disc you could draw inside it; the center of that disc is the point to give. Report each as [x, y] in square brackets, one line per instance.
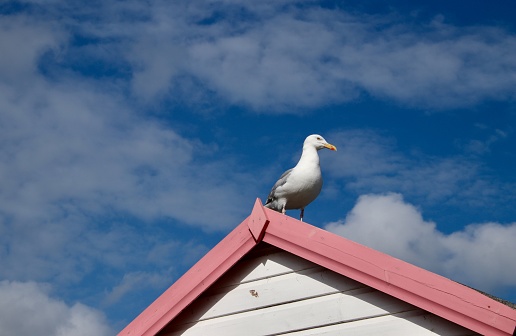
[277, 57]
[76, 142]
[19, 61]
[135, 281]
[83, 149]
[155, 269]
[369, 162]
[21, 302]
[483, 146]
[312, 57]
[478, 255]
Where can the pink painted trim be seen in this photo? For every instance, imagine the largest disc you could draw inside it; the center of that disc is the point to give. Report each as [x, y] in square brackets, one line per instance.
[258, 221]
[424, 289]
[193, 283]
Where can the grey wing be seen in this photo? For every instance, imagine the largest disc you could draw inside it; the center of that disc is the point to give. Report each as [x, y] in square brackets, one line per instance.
[281, 181]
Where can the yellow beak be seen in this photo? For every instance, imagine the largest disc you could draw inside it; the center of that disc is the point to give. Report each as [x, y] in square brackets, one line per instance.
[330, 147]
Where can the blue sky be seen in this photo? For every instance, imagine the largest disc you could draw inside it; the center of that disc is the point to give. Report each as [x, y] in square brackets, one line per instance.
[135, 135]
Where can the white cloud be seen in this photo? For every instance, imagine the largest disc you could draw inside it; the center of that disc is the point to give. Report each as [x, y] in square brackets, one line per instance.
[480, 255]
[83, 149]
[274, 64]
[441, 67]
[287, 58]
[276, 57]
[19, 61]
[77, 143]
[27, 309]
[134, 282]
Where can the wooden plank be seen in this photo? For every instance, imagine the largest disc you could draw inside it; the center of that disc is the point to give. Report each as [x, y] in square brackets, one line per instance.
[323, 310]
[268, 292]
[411, 323]
[265, 266]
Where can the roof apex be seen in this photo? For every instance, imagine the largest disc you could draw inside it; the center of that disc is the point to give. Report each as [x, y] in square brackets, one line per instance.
[422, 288]
[258, 221]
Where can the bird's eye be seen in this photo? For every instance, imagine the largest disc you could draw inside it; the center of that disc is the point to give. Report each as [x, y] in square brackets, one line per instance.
[319, 138]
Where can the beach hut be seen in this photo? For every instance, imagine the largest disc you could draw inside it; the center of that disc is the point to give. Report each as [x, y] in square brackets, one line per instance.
[276, 275]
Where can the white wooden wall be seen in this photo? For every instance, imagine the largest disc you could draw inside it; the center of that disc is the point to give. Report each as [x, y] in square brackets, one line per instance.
[273, 292]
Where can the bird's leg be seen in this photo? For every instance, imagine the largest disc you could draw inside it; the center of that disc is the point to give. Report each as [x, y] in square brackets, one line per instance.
[283, 210]
[301, 215]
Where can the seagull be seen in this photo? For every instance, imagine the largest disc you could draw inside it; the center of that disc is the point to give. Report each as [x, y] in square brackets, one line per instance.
[299, 186]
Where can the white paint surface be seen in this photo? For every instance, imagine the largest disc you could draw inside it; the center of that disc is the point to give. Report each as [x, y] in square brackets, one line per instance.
[279, 293]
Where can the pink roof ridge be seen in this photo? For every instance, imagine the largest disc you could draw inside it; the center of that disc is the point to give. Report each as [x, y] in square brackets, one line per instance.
[424, 289]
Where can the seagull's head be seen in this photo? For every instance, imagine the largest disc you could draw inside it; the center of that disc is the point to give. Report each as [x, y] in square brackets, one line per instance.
[318, 142]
